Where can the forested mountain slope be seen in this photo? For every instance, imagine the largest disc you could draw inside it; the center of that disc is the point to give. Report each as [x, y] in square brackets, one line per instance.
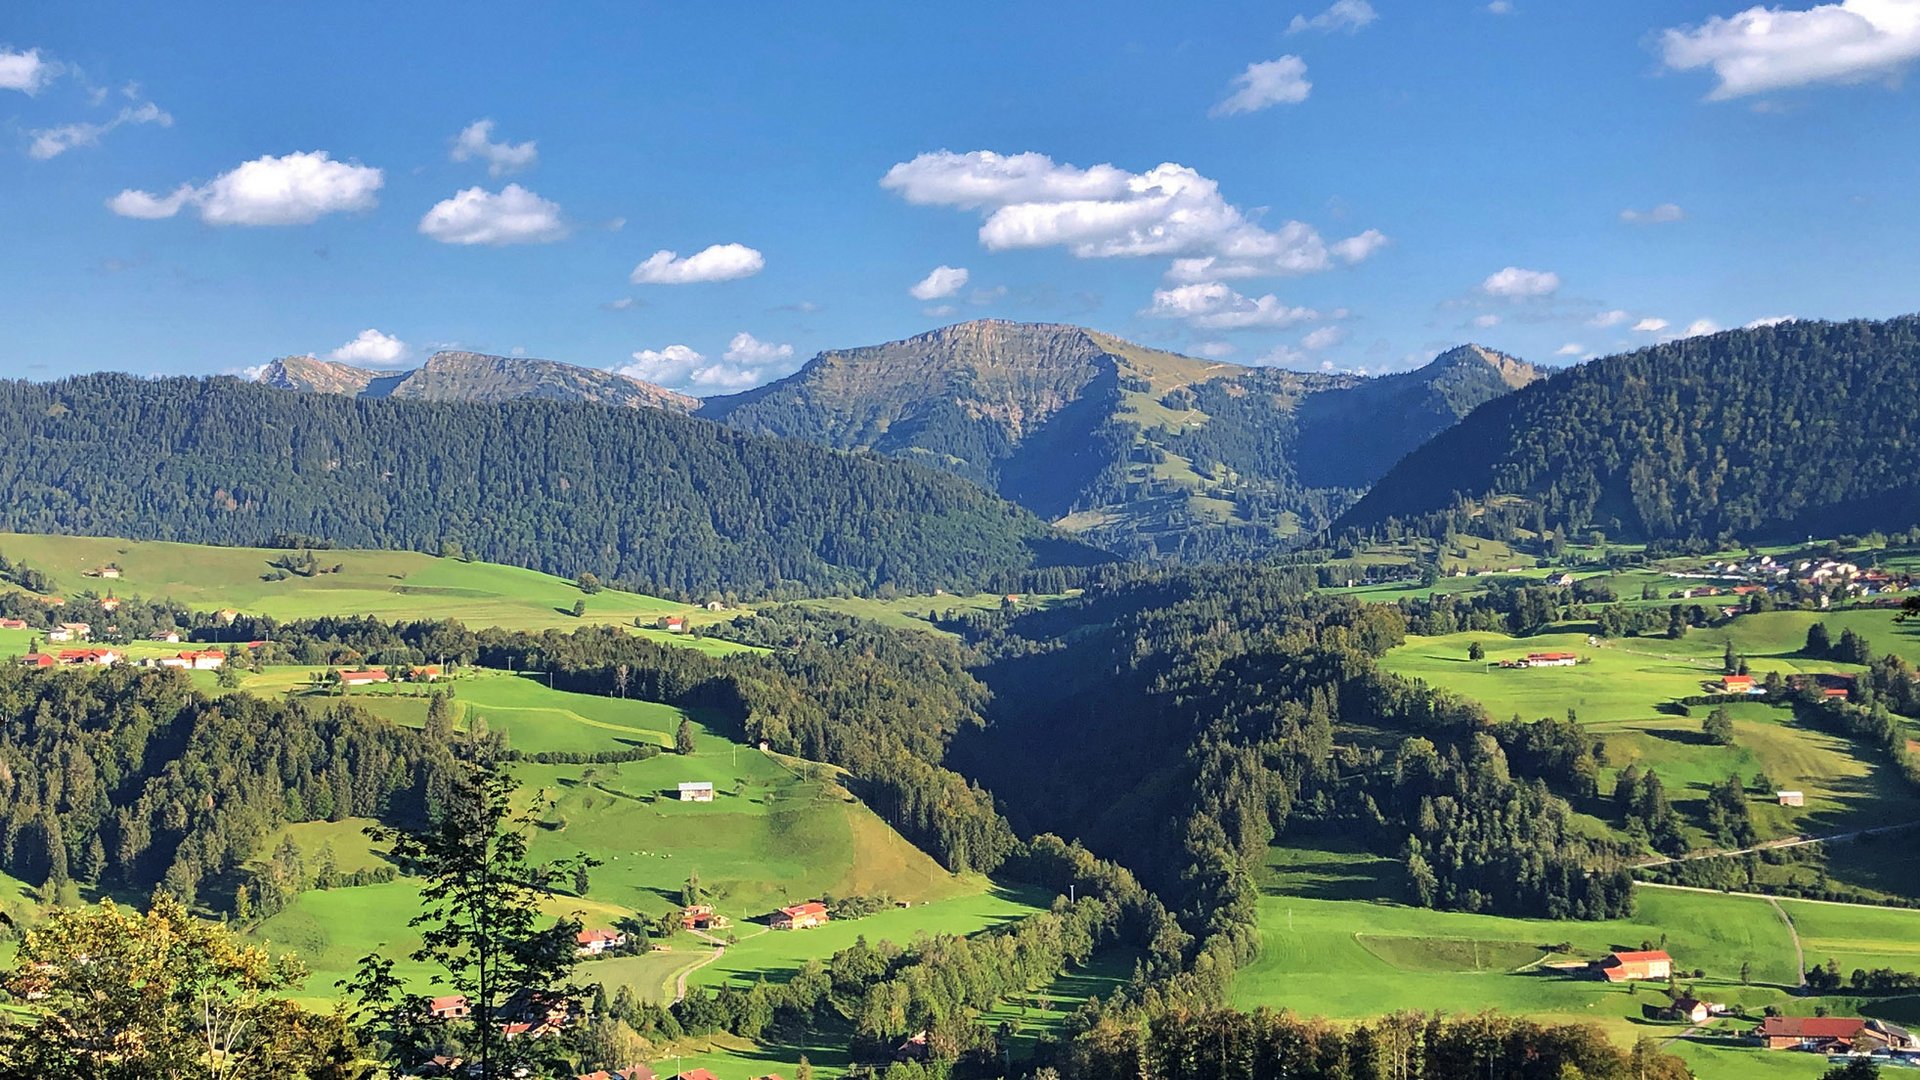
[642, 497]
[1762, 433]
[467, 376]
[1145, 451]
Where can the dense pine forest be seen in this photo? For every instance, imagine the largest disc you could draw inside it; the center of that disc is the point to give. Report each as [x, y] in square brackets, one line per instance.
[1766, 433]
[640, 497]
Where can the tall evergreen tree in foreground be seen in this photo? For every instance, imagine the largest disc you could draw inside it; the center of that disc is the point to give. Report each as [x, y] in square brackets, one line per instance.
[483, 928]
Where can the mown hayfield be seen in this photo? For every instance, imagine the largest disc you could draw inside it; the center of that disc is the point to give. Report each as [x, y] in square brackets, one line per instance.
[387, 584]
[912, 612]
[1857, 937]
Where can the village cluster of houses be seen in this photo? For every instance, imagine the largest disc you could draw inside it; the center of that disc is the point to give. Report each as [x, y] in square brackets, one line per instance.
[1760, 571]
[1837, 687]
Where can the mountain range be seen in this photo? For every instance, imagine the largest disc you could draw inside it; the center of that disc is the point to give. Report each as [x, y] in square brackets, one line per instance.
[1140, 450]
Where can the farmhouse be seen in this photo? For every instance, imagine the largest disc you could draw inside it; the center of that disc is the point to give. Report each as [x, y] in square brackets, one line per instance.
[1552, 659]
[13, 624]
[696, 1074]
[1791, 798]
[697, 917]
[631, 1072]
[450, 1007]
[1693, 1010]
[196, 660]
[38, 660]
[1810, 1032]
[674, 624]
[363, 678]
[913, 1048]
[98, 657]
[800, 916]
[70, 631]
[1562, 580]
[424, 673]
[109, 571]
[1633, 966]
[225, 616]
[696, 791]
[1738, 684]
[171, 637]
[595, 942]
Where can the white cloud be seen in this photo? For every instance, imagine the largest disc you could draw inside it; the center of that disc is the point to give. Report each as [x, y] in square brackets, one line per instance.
[26, 71]
[372, 348]
[1650, 326]
[475, 142]
[1609, 318]
[1664, 214]
[939, 311]
[297, 189]
[1700, 327]
[478, 216]
[721, 262]
[748, 362]
[1763, 49]
[1215, 350]
[52, 142]
[1214, 306]
[1570, 349]
[942, 281]
[1515, 283]
[747, 349]
[1769, 320]
[1030, 201]
[1324, 337]
[1486, 321]
[1265, 84]
[1346, 15]
[1357, 248]
[1500, 7]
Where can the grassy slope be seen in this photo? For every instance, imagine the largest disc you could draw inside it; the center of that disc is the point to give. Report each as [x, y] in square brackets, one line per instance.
[1330, 948]
[388, 584]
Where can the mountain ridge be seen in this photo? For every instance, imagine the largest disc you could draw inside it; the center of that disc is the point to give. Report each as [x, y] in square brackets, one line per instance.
[456, 375]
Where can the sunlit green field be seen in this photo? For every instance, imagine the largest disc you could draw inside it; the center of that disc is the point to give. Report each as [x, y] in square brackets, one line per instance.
[917, 612]
[387, 584]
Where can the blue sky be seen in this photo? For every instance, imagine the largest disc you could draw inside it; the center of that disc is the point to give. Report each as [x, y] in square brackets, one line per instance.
[706, 195]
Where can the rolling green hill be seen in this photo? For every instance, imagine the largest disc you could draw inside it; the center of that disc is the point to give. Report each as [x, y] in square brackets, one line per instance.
[1140, 449]
[643, 497]
[1766, 433]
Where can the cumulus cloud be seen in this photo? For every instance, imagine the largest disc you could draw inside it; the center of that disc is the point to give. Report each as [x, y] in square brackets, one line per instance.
[721, 262]
[1769, 320]
[1215, 350]
[942, 281]
[478, 216]
[475, 143]
[1486, 321]
[747, 362]
[371, 348]
[1323, 337]
[1357, 248]
[25, 71]
[297, 189]
[1664, 214]
[1030, 201]
[1570, 349]
[54, 141]
[1515, 283]
[1609, 318]
[1349, 15]
[1701, 327]
[1214, 306]
[1265, 84]
[1650, 325]
[1762, 49]
[1500, 7]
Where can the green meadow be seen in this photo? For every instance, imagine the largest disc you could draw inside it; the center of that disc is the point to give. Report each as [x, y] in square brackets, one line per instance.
[387, 584]
[918, 612]
[1331, 947]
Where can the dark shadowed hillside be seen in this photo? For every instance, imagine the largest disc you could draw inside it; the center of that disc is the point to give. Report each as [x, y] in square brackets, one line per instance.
[1762, 433]
[642, 496]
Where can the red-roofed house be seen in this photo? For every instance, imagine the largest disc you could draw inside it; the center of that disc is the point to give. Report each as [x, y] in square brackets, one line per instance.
[674, 624]
[1794, 1032]
[363, 678]
[631, 1072]
[196, 659]
[1736, 684]
[99, 657]
[13, 624]
[38, 660]
[450, 1007]
[696, 1074]
[800, 916]
[1631, 966]
[595, 942]
[1552, 659]
[424, 673]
